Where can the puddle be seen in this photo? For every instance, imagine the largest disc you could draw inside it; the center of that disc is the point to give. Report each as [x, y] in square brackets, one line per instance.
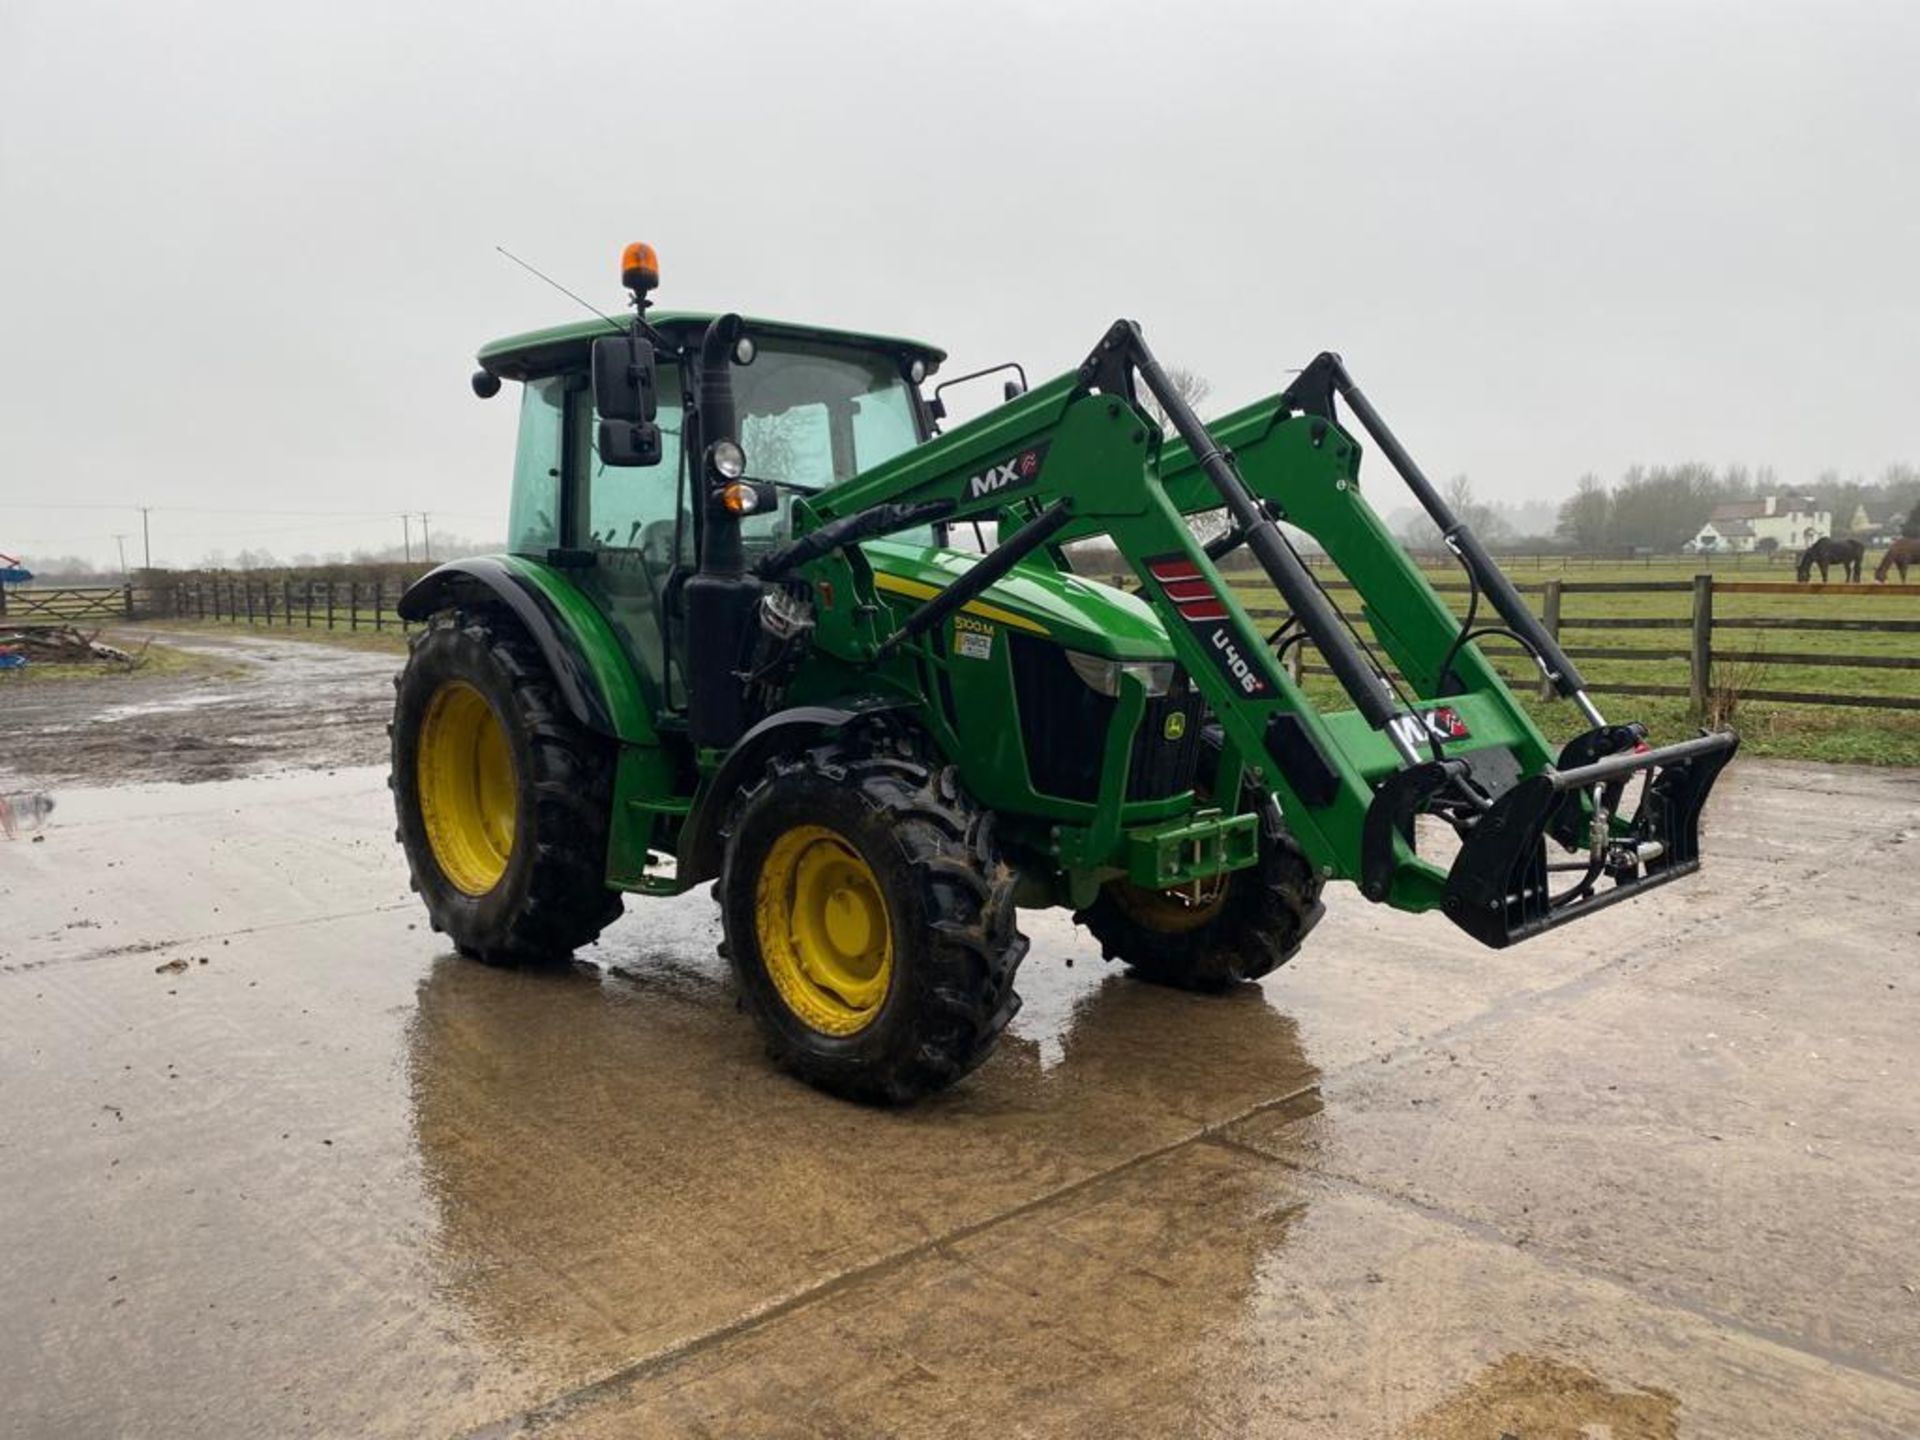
[1534, 1397]
[168, 705]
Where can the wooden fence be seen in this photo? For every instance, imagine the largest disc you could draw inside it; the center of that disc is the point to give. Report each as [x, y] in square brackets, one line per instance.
[67, 604]
[317, 604]
[1692, 640]
[1696, 647]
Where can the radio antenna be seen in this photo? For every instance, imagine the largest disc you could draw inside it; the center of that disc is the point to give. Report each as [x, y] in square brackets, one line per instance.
[615, 324]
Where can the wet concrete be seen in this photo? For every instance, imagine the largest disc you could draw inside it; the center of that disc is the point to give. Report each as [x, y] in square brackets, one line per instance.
[1653, 1176]
[252, 703]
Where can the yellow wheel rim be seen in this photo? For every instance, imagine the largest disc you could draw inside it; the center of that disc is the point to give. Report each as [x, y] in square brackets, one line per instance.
[824, 934]
[464, 770]
[1171, 912]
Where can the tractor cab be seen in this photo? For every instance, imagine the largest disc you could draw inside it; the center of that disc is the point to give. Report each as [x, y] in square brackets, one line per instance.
[814, 407]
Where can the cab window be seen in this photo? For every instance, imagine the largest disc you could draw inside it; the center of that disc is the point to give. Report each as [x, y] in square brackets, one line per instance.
[814, 414]
[533, 516]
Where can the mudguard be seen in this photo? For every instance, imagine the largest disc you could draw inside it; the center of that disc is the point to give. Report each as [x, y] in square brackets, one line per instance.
[701, 840]
[581, 651]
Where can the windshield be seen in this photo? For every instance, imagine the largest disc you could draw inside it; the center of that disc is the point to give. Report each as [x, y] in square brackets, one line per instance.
[812, 414]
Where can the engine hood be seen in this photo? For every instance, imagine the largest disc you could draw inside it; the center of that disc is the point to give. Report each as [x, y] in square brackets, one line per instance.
[1078, 613]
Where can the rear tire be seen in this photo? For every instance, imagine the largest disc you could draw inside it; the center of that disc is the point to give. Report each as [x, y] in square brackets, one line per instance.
[869, 920]
[1250, 927]
[503, 799]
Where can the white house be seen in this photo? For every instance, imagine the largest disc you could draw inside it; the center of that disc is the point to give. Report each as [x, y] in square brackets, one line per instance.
[1793, 522]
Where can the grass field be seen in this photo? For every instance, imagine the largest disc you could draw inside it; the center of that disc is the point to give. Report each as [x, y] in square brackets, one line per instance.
[1813, 732]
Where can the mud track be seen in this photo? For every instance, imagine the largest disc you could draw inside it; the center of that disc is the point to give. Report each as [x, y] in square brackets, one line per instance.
[258, 703]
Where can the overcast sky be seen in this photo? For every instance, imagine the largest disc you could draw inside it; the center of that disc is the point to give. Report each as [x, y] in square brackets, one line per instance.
[248, 253]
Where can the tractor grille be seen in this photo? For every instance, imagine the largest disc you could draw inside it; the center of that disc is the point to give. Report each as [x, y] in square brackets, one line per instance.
[1064, 723]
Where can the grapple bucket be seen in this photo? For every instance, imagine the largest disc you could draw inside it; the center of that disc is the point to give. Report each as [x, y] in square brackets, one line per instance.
[1503, 886]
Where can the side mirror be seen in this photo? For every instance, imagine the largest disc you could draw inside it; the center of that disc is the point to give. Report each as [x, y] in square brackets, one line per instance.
[625, 392]
[1014, 389]
[628, 442]
[624, 381]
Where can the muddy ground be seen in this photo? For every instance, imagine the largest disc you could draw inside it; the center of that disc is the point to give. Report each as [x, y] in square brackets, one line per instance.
[250, 702]
[272, 1162]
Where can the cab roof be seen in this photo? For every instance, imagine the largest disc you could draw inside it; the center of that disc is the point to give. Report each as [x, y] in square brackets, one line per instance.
[564, 347]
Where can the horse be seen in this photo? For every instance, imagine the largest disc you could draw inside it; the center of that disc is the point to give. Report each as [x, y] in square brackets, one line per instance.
[1849, 555]
[1899, 556]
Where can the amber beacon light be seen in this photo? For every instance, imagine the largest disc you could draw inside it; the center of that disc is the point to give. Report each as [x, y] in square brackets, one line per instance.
[639, 267]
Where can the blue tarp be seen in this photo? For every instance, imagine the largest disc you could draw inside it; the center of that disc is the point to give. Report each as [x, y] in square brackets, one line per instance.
[14, 575]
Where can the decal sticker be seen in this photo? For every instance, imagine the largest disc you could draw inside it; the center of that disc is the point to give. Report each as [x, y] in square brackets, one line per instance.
[1441, 723]
[1192, 595]
[1176, 725]
[1014, 473]
[972, 639]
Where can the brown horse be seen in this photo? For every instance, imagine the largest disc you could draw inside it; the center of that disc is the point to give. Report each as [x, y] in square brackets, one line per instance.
[1899, 556]
[1849, 555]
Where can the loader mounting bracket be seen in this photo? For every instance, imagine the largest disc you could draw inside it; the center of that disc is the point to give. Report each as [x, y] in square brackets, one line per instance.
[1500, 887]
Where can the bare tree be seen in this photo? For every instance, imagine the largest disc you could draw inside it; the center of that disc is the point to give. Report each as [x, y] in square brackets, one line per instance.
[1586, 515]
[1189, 385]
[1483, 519]
[1194, 388]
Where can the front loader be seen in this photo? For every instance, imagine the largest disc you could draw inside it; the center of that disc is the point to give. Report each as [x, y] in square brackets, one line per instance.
[735, 640]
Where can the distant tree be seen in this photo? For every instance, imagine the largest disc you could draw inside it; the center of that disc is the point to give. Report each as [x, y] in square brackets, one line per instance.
[1586, 516]
[1912, 528]
[1483, 519]
[1766, 545]
[1189, 385]
[1842, 498]
[1487, 522]
[1898, 488]
[1660, 508]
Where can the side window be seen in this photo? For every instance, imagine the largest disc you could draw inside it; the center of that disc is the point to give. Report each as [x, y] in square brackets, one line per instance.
[533, 518]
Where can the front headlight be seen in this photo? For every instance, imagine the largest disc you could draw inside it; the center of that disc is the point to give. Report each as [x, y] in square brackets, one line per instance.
[1104, 675]
[729, 461]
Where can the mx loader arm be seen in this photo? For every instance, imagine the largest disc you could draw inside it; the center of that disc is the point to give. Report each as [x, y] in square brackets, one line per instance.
[1544, 838]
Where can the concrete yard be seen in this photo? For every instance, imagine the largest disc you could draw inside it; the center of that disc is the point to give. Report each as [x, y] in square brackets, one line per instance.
[274, 1163]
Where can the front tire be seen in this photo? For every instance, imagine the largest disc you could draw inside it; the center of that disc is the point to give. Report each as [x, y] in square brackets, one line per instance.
[1245, 924]
[869, 920]
[503, 800]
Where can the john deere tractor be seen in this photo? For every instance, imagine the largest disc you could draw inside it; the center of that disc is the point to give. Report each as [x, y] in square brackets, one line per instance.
[737, 638]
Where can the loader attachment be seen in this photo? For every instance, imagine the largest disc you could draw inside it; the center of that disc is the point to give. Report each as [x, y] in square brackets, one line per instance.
[1621, 818]
[1503, 888]
[1434, 731]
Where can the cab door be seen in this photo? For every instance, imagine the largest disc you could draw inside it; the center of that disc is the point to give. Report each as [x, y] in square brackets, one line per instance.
[633, 529]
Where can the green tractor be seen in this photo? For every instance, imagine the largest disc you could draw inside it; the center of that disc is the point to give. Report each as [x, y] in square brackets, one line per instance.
[735, 639]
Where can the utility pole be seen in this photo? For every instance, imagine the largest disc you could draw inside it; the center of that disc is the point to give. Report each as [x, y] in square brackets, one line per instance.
[121, 541]
[146, 538]
[406, 537]
[426, 539]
